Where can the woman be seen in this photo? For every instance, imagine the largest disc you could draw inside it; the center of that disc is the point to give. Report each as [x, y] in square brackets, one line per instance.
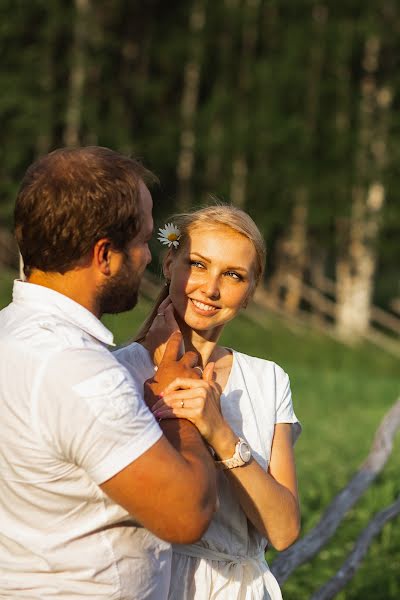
[242, 406]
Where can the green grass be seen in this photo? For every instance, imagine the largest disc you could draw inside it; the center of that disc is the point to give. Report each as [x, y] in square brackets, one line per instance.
[340, 396]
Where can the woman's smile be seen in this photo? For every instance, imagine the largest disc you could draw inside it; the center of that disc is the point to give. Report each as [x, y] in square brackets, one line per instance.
[204, 309]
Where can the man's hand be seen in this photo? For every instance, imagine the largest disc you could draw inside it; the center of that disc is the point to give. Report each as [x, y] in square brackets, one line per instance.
[170, 368]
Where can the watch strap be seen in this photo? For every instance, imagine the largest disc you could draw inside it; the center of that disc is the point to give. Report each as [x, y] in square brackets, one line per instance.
[234, 461]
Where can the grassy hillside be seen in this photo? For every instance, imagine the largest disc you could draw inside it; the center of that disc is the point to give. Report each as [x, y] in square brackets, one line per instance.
[340, 396]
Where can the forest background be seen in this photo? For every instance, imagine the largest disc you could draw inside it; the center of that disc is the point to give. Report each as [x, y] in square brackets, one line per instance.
[288, 109]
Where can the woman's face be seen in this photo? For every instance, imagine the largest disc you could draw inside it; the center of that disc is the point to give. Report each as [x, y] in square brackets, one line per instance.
[211, 276]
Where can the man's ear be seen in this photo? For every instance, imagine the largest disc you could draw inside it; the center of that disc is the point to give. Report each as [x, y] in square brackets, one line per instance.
[102, 252]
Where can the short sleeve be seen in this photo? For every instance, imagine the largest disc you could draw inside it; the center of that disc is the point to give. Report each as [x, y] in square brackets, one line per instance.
[90, 413]
[284, 404]
[136, 359]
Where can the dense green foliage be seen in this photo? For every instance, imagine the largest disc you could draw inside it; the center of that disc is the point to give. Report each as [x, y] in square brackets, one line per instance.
[276, 106]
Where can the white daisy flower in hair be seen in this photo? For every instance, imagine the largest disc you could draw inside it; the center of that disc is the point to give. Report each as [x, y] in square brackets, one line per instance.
[169, 235]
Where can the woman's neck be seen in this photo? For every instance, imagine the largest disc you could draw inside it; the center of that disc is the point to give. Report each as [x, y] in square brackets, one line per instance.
[204, 343]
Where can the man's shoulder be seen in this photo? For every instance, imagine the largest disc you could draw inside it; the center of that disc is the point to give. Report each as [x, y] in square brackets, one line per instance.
[43, 332]
[65, 335]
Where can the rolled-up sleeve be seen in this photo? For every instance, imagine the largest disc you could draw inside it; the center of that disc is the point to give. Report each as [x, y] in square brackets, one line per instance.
[90, 413]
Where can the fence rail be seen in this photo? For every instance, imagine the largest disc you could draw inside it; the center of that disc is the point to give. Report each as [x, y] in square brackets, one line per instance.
[307, 547]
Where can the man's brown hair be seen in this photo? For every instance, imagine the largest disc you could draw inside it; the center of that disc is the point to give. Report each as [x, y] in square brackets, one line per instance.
[73, 197]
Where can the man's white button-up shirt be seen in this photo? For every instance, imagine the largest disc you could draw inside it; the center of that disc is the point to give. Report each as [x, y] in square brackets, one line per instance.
[71, 418]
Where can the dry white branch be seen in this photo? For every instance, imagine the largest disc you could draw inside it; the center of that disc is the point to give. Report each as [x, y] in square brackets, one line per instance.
[353, 561]
[308, 546]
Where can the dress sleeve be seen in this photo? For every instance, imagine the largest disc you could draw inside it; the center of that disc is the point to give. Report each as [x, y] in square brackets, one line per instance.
[136, 359]
[284, 404]
[90, 413]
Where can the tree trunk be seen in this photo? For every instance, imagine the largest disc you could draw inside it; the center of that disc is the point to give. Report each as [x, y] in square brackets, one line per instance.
[221, 97]
[356, 265]
[77, 75]
[296, 248]
[240, 159]
[292, 265]
[191, 84]
[46, 80]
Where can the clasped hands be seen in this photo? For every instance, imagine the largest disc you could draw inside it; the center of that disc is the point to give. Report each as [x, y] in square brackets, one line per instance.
[177, 390]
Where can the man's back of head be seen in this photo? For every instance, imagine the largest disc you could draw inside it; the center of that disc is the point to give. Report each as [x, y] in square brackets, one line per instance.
[71, 198]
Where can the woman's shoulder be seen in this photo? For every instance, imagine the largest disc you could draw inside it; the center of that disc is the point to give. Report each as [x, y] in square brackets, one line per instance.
[136, 359]
[134, 349]
[269, 387]
[258, 365]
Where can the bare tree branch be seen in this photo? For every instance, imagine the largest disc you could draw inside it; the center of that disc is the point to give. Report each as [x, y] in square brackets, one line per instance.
[353, 561]
[308, 546]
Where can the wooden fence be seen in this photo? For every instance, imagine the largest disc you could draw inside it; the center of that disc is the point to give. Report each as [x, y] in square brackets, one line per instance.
[384, 329]
[308, 546]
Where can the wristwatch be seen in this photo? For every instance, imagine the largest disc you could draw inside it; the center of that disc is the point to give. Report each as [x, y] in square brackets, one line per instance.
[241, 456]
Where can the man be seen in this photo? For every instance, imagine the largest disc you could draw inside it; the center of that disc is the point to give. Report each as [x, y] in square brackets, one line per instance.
[89, 481]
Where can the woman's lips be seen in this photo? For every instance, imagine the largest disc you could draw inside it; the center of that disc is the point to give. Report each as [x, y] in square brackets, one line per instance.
[202, 308]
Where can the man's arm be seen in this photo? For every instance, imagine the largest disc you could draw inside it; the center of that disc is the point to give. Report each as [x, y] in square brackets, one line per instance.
[171, 488]
[170, 493]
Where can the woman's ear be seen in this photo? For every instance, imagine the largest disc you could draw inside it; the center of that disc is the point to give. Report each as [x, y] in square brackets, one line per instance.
[167, 265]
[249, 296]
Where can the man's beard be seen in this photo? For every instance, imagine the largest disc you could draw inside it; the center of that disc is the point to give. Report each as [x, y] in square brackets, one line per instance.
[120, 293]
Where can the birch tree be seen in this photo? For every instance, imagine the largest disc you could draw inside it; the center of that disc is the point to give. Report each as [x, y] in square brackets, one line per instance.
[220, 97]
[78, 74]
[357, 262]
[293, 247]
[240, 158]
[189, 103]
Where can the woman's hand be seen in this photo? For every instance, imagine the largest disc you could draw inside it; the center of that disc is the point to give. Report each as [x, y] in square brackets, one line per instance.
[198, 400]
[163, 326]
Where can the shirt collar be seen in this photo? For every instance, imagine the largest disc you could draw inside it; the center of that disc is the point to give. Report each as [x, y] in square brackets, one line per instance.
[68, 309]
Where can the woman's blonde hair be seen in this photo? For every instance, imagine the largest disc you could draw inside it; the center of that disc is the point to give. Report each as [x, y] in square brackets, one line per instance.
[211, 217]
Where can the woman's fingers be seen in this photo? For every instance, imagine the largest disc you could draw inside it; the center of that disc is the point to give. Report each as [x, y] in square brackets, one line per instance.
[176, 398]
[163, 325]
[187, 409]
[185, 383]
[164, 304]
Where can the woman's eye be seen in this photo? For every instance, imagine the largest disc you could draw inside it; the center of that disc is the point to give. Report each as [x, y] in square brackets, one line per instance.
[197, 264]
[234, 275]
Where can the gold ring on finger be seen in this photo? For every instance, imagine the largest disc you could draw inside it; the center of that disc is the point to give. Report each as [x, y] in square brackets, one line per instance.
[182, 404]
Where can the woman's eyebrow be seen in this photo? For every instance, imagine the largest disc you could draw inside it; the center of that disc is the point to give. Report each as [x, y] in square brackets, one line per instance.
[200, 256]
[228, 268]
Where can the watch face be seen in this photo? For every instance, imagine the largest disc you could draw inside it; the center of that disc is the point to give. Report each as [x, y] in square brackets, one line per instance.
[244, 452]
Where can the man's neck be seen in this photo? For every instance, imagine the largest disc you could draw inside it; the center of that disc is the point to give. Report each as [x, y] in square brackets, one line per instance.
[75, 284]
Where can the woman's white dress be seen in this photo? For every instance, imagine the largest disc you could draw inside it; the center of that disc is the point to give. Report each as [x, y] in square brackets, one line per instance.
[228, 562]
